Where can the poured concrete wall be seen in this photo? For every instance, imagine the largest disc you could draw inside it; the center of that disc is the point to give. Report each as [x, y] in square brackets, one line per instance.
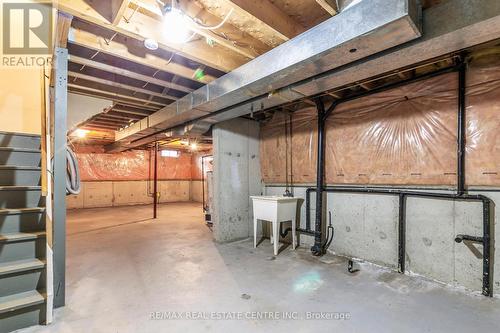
[196, 191]
[236, 177]
[123, 193]
[366, 228]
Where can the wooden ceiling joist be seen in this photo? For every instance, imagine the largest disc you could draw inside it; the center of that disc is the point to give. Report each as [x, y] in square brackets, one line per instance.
[112, 116]
[90, 124]
[122, 110]
[120, 85]
[115, 113]
[227, 35]
[197, 49]
[62, 29]
[118, 8]
[126, 72]
[98, 87]
[119, 98]
[103, 121]
[141, 26]
[330, 6]
[98, 43]
[268, 13]
[269, 23]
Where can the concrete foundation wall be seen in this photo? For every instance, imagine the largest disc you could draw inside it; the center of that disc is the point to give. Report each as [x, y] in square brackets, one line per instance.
[236, 177]
[123, 193]
[366, 228]
[196, 191]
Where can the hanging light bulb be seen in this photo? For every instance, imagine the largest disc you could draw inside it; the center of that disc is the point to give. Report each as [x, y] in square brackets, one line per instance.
[81, 133]
[176, 26]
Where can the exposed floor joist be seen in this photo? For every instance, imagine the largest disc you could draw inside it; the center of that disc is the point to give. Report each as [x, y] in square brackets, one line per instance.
[119, 98]
[269, 23]
[141, 25]
[108, 58]
[120, 85]
[227, 35]
[126, 72]
[330, 6]
[99, 43]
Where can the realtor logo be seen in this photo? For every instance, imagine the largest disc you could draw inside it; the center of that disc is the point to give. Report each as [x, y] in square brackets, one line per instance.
[27, 28]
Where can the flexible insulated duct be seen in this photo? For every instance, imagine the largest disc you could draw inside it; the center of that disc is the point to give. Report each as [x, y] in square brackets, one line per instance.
[73, 184]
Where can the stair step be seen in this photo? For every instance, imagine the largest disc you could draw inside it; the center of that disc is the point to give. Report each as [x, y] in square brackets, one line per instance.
[19, 140]
[22, 248]
[17, 167]
[20, 196]
[21, 266]
[20, 188]
[22, 220]
[27, 278]
[20, 175]
[21, 236]
[22, 300]
[19, 211]
[20, 156]
[20, 149]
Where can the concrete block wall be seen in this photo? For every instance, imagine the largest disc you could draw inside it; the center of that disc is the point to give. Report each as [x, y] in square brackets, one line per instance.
[366, 228]
[123, 193]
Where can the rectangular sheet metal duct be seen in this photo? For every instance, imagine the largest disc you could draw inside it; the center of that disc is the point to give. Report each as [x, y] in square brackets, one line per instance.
[367, 28]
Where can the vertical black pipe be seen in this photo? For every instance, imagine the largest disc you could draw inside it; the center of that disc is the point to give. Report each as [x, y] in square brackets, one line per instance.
[203, 182]
[461, 128]
[155, 183]
[308, 209]
[487, 290]
[320, 171]
[402, 233]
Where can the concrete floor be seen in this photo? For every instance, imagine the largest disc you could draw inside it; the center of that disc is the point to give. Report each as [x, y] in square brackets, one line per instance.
[122, 267]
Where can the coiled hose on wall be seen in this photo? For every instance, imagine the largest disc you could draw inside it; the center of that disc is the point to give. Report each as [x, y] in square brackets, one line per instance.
[73, 184]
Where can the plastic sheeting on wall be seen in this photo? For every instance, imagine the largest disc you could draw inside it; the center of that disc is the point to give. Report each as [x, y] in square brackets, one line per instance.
[273, 149]
[405, 136]
[130, 165]
[300, 142]
[482, 163]
[196, 161]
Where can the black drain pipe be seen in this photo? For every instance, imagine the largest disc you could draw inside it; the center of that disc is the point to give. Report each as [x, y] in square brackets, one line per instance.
[487, 288]
[462, 131]
[155, 183]
[317, 249]
[320, 173]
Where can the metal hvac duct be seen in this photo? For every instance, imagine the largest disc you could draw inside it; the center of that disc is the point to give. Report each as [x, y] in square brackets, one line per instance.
[363, 29]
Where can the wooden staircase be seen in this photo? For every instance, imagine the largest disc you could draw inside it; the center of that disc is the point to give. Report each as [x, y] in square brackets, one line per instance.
[22, 233]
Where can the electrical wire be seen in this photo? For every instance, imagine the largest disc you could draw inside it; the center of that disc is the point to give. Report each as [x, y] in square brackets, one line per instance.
[198, 24]
[215, 27]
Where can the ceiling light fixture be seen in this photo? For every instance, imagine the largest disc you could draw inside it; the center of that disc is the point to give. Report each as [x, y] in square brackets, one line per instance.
[81, 133]
[176, 25]
[151, 44]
